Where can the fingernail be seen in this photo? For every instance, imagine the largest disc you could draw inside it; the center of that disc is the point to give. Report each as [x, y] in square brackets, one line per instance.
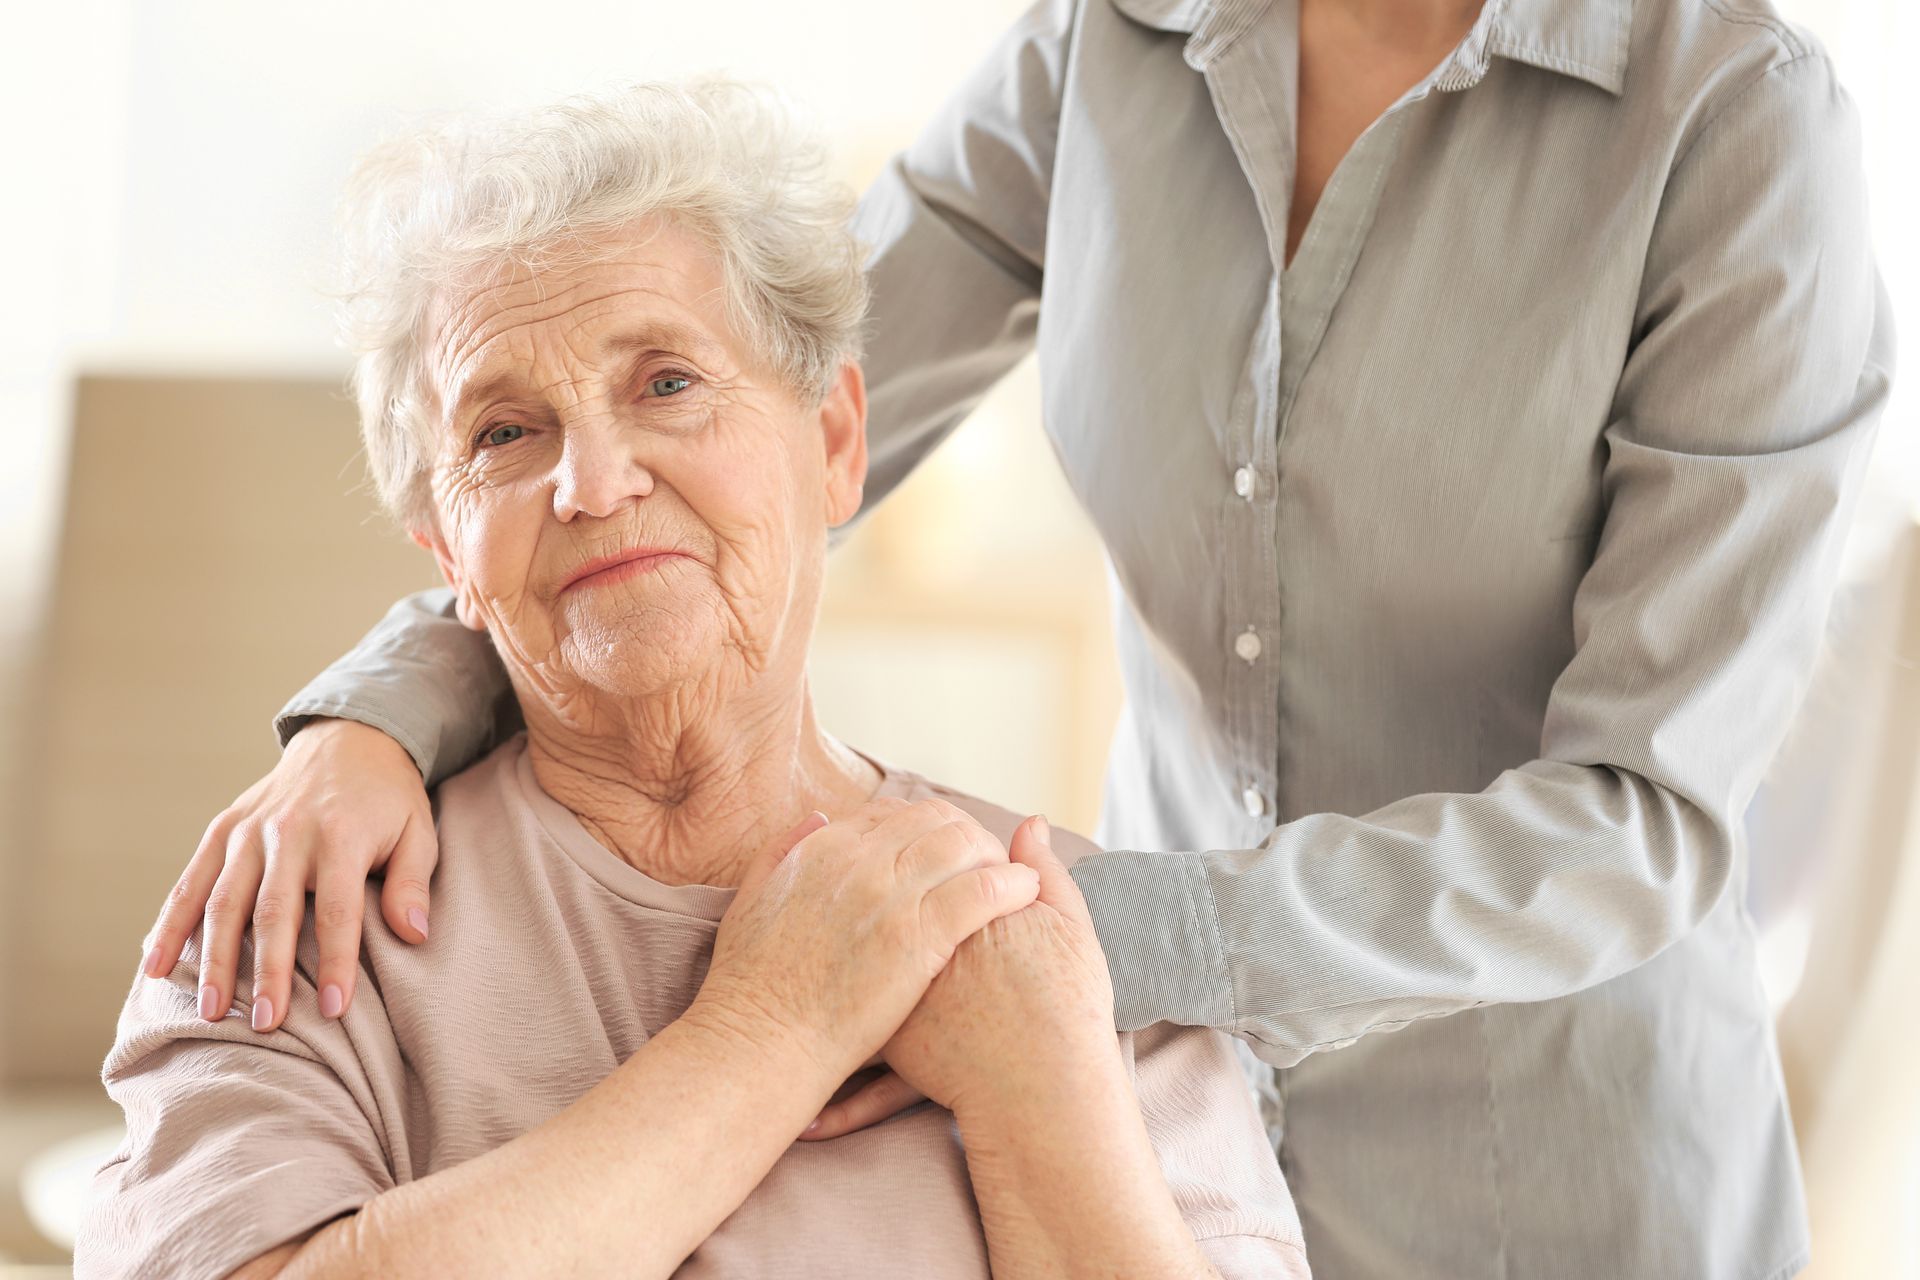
[418, 919]
[810, 1129]
[152, 965]
[262, 1013]
[210, 1003]
[331, 1001]
[1042, 829]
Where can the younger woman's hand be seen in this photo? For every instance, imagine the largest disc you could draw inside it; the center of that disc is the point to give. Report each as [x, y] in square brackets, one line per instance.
[344, 802]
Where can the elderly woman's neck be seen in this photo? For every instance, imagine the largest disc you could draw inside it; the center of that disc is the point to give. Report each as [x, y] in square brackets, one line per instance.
[687, 794]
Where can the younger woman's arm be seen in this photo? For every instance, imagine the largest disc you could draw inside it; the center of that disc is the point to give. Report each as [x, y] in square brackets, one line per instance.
[420, 697]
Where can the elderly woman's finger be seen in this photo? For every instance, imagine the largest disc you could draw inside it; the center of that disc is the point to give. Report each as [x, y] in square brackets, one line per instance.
[187, 900]
[277, 913]
[755, 873]
[968, 903]
[229, 911]
[952, 849]
[339, 905]
[1032, 846]
[404, 897]
[877, 1100]
[901, 832]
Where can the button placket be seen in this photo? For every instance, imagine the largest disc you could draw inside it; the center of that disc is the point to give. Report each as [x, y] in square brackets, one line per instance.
[1249, 599]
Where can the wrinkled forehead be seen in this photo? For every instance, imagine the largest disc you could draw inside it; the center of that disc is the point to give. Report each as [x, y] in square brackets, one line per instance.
[511, 328]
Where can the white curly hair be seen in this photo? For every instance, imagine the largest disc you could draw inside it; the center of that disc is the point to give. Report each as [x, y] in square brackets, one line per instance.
[532, 190]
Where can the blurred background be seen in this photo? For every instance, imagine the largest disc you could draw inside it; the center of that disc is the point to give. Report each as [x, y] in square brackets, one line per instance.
[188, 537]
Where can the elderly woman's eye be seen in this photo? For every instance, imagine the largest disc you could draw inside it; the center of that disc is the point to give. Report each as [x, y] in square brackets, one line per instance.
[505, 433]
[672, 384]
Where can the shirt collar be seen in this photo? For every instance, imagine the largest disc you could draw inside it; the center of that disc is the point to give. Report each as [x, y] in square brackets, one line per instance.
[1586, 39]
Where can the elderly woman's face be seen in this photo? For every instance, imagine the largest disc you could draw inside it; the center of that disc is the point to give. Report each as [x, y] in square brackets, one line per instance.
[626, 497]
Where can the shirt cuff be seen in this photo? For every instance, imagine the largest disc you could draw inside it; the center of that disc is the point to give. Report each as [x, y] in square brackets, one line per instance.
[302, 711]
[1155, 917]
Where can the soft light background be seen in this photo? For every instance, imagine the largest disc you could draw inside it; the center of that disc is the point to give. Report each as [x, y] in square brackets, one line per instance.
[184, 541]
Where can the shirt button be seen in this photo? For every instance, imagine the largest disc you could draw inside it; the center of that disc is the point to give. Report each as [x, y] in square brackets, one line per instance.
[1255, 802]
[1247, 645]
[1243, 482]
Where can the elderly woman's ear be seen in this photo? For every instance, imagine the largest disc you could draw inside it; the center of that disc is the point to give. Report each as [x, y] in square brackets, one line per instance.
[430, 540]
[843, 428]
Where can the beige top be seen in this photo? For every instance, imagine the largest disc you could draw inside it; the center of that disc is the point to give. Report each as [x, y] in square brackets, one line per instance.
[551, 961]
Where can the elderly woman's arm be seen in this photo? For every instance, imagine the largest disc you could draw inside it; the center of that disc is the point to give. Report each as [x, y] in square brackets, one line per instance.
[240, 1144]
[1091, 1156]
[1067, 1184]
[1145, 1158]
[675, 1139]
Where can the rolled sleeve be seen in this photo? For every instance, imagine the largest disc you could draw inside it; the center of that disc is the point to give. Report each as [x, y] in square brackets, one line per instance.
[1213, 1153]
[421, 677]
[1161, 935]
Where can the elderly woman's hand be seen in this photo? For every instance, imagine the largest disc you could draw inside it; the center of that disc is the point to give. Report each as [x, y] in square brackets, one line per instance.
[344, 801]
[1025, 1005]
[1016, 1038]
[833, 944]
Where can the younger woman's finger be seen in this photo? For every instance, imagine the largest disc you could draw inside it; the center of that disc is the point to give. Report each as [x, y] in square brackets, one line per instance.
[277, 913]
[871, 1103]
[404, 896]
[187, 901]
[339, 904]
[229, 912]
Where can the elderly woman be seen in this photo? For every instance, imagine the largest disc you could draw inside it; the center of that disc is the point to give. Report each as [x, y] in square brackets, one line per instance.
[608, 378]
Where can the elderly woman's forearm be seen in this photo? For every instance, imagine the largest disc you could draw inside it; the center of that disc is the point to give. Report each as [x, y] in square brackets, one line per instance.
[676, 1137]
[1068, 1186]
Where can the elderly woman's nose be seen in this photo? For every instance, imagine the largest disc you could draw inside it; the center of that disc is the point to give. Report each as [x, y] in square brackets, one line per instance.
[599, 471]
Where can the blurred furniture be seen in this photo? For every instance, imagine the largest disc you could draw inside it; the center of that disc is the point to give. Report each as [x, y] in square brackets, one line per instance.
[51, 1141]
[211, 556]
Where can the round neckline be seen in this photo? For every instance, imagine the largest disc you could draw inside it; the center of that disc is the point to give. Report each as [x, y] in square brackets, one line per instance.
[698, 901]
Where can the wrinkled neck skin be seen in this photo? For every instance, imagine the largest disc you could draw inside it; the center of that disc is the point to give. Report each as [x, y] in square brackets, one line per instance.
[687, 785]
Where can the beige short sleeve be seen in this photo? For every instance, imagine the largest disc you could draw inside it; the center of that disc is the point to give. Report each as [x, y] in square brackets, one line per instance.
[1213, 1151]
[235, 1142]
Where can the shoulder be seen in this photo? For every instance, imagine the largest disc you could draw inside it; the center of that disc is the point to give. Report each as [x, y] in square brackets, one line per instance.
[488, 784]
[485, 808]
[1697, 59]
[1069, 846]
[1754, 28]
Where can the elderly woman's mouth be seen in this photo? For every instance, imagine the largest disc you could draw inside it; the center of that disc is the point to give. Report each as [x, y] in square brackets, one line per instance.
[620, 566]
